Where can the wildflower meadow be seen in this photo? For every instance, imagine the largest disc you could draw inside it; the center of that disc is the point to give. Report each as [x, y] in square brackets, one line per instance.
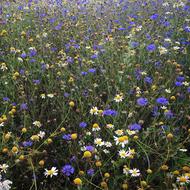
[95, 94]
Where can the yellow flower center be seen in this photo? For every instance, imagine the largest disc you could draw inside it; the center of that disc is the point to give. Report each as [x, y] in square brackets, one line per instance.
[182, 179]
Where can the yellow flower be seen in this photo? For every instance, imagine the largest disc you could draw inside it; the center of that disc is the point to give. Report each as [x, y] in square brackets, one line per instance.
[71, 79]
[24, 130]
[5, 150]
[62, 129]
[77, 181]
[154, 87]
[81, 172]
[3, 33]
[21, 157]
[176, 172]
[125, 186]
[98, 163]
[100, 112]
[41, 162]
[186, 168]
[23, 33]
[35, 138]
[87, 154]
[187, 174]
[104, 184]
[74, 136]
[7, 136]
[149, 171]
[71, 104]
[49, 141]
[30, 40]
[14, 149]
[13, 111]
[106, 175]
[173, 98]
[164, 167]
[4, 118]
[170, 136]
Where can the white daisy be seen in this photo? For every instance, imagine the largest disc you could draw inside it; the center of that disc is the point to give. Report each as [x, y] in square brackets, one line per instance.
[125, 170]
[94, 111]
[118, 98]
[108, 144]
[183, 180]
[110, 126]
[52, 172]
[3, 168]
[122, 153]
[135, 172]
[37, 123]
[41, 134]
[98, 142]
[162, 50]
[123, 140]
[119, 132]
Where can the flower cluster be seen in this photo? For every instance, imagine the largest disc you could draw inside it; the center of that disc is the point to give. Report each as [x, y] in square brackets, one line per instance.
[95, 94]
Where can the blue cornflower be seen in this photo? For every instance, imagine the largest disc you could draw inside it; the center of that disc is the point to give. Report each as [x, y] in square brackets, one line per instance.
[83, 124]
[135, 127]
[23, 106]
[13, 104]
[66, 95]
[22, 71]
[151, 47]
[177, 83]
[142, 101]
[155, 111]
[32, 60]
[165, 127]
[187, 29]
[110, 112]
[188, 89]
[89, 148]
[27, 143]
[162, 101]
[68, 170]
[6, 99]
[70, 60]
[134, 44]
[36, 81]
[53, 49]
[83, 73]
[20, 8]
[94, 56]
[138, 74]
[90, 172]
[67, 137]
[59, 26]
[23, 55]
[154, 16]
[148, 80]
[169, 114]
[166, 23]
[32, 52]
[92, 70]
[180, 78]
[121, 28]
[77, 46]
